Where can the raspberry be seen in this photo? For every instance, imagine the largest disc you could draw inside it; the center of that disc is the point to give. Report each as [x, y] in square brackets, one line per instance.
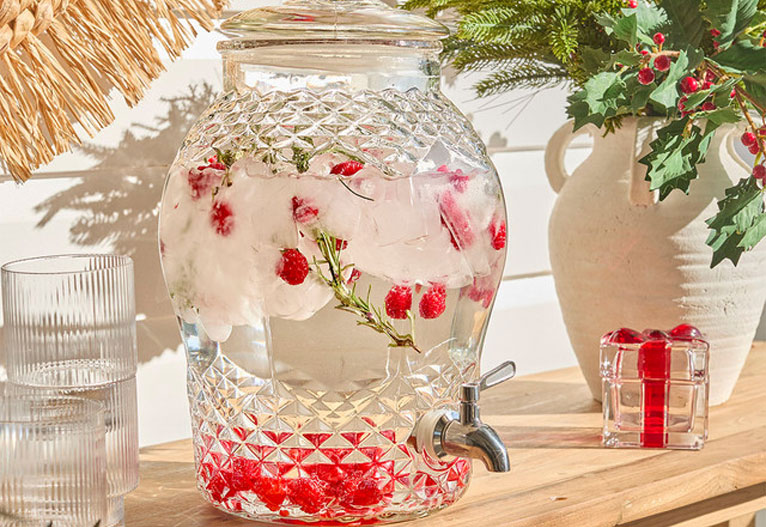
[715, 33]
[308, 494]
[365, 494]
[271, 491]
[646, 76]
[434, 302]
[759, 172]
[662, 63]
[497, 233]
[457, 221]
[749, 139]
[708, 107]
[754, 149]
[398, 301]
[689, 85]
[354, 276]
[203, 178]
[459, 180]
[302, 211]
[346, 168]
[659, 39]
[222, 218]
[293, 268]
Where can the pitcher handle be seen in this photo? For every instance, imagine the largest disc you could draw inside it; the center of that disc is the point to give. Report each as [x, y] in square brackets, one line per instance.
[556, 150]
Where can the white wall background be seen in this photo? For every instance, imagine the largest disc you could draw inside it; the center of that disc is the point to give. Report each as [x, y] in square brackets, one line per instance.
[103, 198]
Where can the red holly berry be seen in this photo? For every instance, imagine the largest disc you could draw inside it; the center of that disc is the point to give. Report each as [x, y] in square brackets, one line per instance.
[706, 85]
[293, 267]
[347, 168]
[689, 85]
[398, 301]
[708, 106]
[632, 4]
[682, 103]
[749, 139]
[644, 52]
[646, 76]
[434, 302]
[222, 218]
[685, 332]
[733, 93]
[662, 63]
[715, 33]
[659, 39]
[710, 76]
[497, 233]
[303, 212]
[754, 149]
[759, 172]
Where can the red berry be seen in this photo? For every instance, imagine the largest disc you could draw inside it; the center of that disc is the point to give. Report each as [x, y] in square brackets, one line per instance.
[710, 76]
[644, 52]
[708, 107]
[293, 267]
[222, 218]
[346, 168]
[733, 93]
[646, 76]
[366, 493]
[457, 221]
[762, 131]
[433, 303]
[354, 276]
[303, 212]
[749, 139]
[632, 4]
[662, 63]
[759, 172]
[623, 336]
[706, 85]
[270, 491]
[682, 103]
[308, 494]
[754, 149]
[716, 44]
[685, 332]
[398, 301]
[689, 85]
[203, 178]
[497, 233]
[659, 39]
[715, 33]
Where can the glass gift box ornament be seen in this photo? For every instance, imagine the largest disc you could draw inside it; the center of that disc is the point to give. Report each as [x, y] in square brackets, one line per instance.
[656, 387]
[332, 235]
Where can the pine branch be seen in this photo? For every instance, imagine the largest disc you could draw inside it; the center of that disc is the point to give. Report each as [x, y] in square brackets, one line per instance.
[526, 75]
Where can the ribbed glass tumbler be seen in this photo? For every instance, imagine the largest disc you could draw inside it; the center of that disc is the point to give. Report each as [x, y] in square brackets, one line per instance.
[70, 329]
[52, 462]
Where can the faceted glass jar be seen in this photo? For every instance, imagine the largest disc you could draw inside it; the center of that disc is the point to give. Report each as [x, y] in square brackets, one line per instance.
[332, 235]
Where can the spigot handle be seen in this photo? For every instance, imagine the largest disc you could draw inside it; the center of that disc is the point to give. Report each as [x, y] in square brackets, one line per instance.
[497, 375]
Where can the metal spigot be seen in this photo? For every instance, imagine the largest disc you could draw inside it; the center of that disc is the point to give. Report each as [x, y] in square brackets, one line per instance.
[442, 433]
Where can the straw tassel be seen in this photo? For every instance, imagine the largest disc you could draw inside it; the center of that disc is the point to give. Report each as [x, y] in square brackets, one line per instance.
[59, 59]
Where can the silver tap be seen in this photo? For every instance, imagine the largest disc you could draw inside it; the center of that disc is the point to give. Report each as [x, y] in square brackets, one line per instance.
[442, 433]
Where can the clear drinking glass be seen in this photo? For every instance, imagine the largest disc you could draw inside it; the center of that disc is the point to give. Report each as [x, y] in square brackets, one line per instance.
[70, 330]
[52, 461]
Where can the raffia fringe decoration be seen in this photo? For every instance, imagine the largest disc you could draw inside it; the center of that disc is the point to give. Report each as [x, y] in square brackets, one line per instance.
[60, 58]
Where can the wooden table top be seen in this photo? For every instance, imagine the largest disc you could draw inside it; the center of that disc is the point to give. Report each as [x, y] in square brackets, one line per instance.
[560, 475]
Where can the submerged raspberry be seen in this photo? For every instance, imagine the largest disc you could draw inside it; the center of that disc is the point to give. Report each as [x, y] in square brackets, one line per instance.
[293, 267]
[309, 494]
[271, 491]
[497, 233]
[222, 218]
[346, 168]
[434, 302]
[303, 212]
[398, 301]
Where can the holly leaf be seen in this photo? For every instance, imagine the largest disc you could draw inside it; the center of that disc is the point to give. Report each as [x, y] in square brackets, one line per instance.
[623, 28]
[755, 86]
[720, 116]
[740, 223]
[672, 163]
[666, 94]
[598, 99]
[743, 55]
[594, 60]
[695, 99]
[626, 57]
[686, 26]
[730, 17]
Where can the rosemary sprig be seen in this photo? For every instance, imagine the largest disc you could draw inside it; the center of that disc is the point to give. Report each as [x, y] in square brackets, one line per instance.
[370, 315]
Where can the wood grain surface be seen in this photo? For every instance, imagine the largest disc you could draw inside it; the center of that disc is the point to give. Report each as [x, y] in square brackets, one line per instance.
[560, 475]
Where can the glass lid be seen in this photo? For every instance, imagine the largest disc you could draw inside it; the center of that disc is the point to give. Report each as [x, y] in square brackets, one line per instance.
[330, 20]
